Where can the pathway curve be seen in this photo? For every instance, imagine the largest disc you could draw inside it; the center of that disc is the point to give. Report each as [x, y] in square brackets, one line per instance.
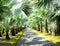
[30, 38]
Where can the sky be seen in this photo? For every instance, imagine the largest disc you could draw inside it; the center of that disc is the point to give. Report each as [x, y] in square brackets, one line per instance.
[19, 0]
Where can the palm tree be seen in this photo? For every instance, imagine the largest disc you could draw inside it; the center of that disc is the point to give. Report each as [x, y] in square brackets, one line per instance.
[56, 18]
[12, 24]
[1, 27]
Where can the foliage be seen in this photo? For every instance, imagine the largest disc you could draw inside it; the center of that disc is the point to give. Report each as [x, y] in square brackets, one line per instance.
[17, 14]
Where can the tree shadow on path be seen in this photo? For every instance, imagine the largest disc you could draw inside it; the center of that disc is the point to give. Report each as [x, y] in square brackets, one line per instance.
[30, 38]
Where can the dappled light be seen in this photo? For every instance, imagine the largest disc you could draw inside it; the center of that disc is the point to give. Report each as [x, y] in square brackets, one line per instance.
[29, 22]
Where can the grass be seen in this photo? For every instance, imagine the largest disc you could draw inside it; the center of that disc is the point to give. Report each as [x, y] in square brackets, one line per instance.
[12, 41]
[54, 39]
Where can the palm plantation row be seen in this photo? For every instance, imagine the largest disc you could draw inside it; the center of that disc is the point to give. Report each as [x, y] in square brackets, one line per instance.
[10, 21]
[16, 15]
[44, 16]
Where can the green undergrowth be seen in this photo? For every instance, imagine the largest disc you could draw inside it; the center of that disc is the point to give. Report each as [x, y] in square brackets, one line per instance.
[54, 39]
[12, 41]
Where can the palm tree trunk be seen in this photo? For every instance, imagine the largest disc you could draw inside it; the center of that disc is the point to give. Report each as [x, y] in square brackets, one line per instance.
[0, 34]
[38, 27]
[58, 26]
[46, 26]
[3, 31]
[16, 29]
[41, 27]
[13, 31]
[7, 35]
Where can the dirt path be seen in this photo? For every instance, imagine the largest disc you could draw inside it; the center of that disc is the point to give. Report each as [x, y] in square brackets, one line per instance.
[30, 38]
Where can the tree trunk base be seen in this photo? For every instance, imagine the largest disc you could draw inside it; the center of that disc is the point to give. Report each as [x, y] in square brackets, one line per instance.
[7, 36]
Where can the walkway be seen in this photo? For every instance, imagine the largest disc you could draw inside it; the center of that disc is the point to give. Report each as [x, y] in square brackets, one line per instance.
[30, 38]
